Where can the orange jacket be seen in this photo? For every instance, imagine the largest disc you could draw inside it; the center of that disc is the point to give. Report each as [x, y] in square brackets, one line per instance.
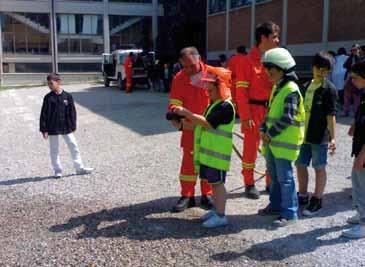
[233, 64]
[252, 82]
[128, 64]
[194, 98]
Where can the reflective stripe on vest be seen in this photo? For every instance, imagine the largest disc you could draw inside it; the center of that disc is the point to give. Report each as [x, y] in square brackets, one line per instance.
[286, 145]
[213, 147]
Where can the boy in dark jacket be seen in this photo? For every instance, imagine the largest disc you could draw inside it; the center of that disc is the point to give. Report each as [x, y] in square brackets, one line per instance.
[320, 121]
[357, 131]
[58, 117]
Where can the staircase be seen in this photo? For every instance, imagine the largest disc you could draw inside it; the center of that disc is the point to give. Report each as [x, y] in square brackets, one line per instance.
[29, 22]
[125, 25]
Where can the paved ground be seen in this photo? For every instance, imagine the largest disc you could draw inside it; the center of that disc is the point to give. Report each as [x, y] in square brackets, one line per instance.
[119, 215]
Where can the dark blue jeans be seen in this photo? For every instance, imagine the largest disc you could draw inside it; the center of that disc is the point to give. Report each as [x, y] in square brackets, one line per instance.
[283, 195]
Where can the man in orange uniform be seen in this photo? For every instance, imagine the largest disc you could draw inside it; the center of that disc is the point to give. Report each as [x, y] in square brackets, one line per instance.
[253, 90]
[233, 64]
[128, 67]
[187, 92]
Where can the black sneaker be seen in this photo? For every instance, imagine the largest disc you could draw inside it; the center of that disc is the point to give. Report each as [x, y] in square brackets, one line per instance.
[314, 207]
[303, 200]
[184, 203]
[206, 202]
[252, 192]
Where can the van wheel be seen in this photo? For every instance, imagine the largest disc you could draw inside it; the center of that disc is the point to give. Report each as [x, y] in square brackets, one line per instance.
[106, 82]
[121, 83]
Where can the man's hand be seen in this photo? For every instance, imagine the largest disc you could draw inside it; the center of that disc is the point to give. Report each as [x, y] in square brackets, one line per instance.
[359, 163]
[351, 130]
[332, 147]
[248, 125]
[45, 135]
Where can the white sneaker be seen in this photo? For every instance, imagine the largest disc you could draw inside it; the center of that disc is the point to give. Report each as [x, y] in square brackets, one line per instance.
[215, 221]
[58, 175]
[358, 231]
[207, 215]
[354, 219]
[84, 171]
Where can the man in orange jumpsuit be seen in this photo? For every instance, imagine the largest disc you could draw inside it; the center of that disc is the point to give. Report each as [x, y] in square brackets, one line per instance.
[233, 64]
[128, 67]
[187, 92]
[253, 90]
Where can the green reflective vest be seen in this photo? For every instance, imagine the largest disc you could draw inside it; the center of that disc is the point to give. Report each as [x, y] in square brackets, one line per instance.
[286, 145]
[213, 147]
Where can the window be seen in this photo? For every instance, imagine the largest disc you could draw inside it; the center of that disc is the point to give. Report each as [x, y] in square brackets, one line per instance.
[130, 32]
[132, 1]
[239, 3]
[33, 67]
[79, 67]
[216, 6]
[26, 33]
[80, 34]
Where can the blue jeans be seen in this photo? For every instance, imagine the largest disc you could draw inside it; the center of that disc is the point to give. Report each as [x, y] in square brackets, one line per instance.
[283, 195]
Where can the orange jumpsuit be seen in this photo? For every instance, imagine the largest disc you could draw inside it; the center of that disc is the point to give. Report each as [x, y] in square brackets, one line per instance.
[233, 64]
[128, 64]
[195, 99]
[253, 90]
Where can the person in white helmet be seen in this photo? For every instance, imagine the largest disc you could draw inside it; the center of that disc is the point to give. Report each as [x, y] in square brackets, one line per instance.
[282, 134]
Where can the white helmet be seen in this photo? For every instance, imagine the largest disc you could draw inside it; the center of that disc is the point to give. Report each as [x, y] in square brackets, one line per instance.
[279, 57]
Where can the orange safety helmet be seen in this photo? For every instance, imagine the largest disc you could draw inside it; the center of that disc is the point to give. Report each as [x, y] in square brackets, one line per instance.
[222, 78]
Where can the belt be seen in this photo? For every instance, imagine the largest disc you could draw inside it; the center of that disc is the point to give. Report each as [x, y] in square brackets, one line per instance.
[264, 103]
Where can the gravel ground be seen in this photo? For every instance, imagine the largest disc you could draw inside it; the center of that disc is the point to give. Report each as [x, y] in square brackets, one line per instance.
[119, 215]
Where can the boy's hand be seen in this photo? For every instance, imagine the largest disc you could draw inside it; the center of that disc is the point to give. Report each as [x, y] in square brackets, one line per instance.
[181, 111]
[359, 164]
[332, 147]
[351, 130]
[45, 135]
[265, 138]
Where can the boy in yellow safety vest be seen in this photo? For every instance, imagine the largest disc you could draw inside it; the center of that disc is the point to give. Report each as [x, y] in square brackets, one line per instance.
[282, 135]
[213, 140]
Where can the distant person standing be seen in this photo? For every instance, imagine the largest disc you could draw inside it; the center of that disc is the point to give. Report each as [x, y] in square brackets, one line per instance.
[128, 67]
[351, 93]
[339, 72]
[222, 60]
[58, 118]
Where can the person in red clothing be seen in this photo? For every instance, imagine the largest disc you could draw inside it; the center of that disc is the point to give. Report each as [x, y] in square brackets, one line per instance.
[128, 67]
[253, 89]
[233, 63]
[187, 92]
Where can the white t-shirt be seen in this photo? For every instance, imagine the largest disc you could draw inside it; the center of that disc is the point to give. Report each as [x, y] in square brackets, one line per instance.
[338, 72]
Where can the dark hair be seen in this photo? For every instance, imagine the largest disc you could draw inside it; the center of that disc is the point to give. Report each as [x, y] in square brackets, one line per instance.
[222, 57]
[265, 29]
[341, 51]
[359, 69]
[332, 53]
[362, 48]
[190, 50]
[241, 49]
[53, 77]
[322, 60]
[131, 54]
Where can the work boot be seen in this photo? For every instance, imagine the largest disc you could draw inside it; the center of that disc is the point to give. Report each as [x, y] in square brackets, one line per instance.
[206, 202]
[252, 192]
[184, 203]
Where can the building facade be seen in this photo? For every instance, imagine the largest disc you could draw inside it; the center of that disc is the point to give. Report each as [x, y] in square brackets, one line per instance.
[306, 26]
[69, 36]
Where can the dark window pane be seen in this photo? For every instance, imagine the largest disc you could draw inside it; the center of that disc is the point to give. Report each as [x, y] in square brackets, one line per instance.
[33, 67]
[79, 67]
[216, 6]
[74, 46]
[8, 43]
[63, 46]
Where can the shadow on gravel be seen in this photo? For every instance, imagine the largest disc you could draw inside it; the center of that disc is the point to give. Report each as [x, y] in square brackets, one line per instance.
[285, 247]
[31, 180]
[153, 221]
[141, 111]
